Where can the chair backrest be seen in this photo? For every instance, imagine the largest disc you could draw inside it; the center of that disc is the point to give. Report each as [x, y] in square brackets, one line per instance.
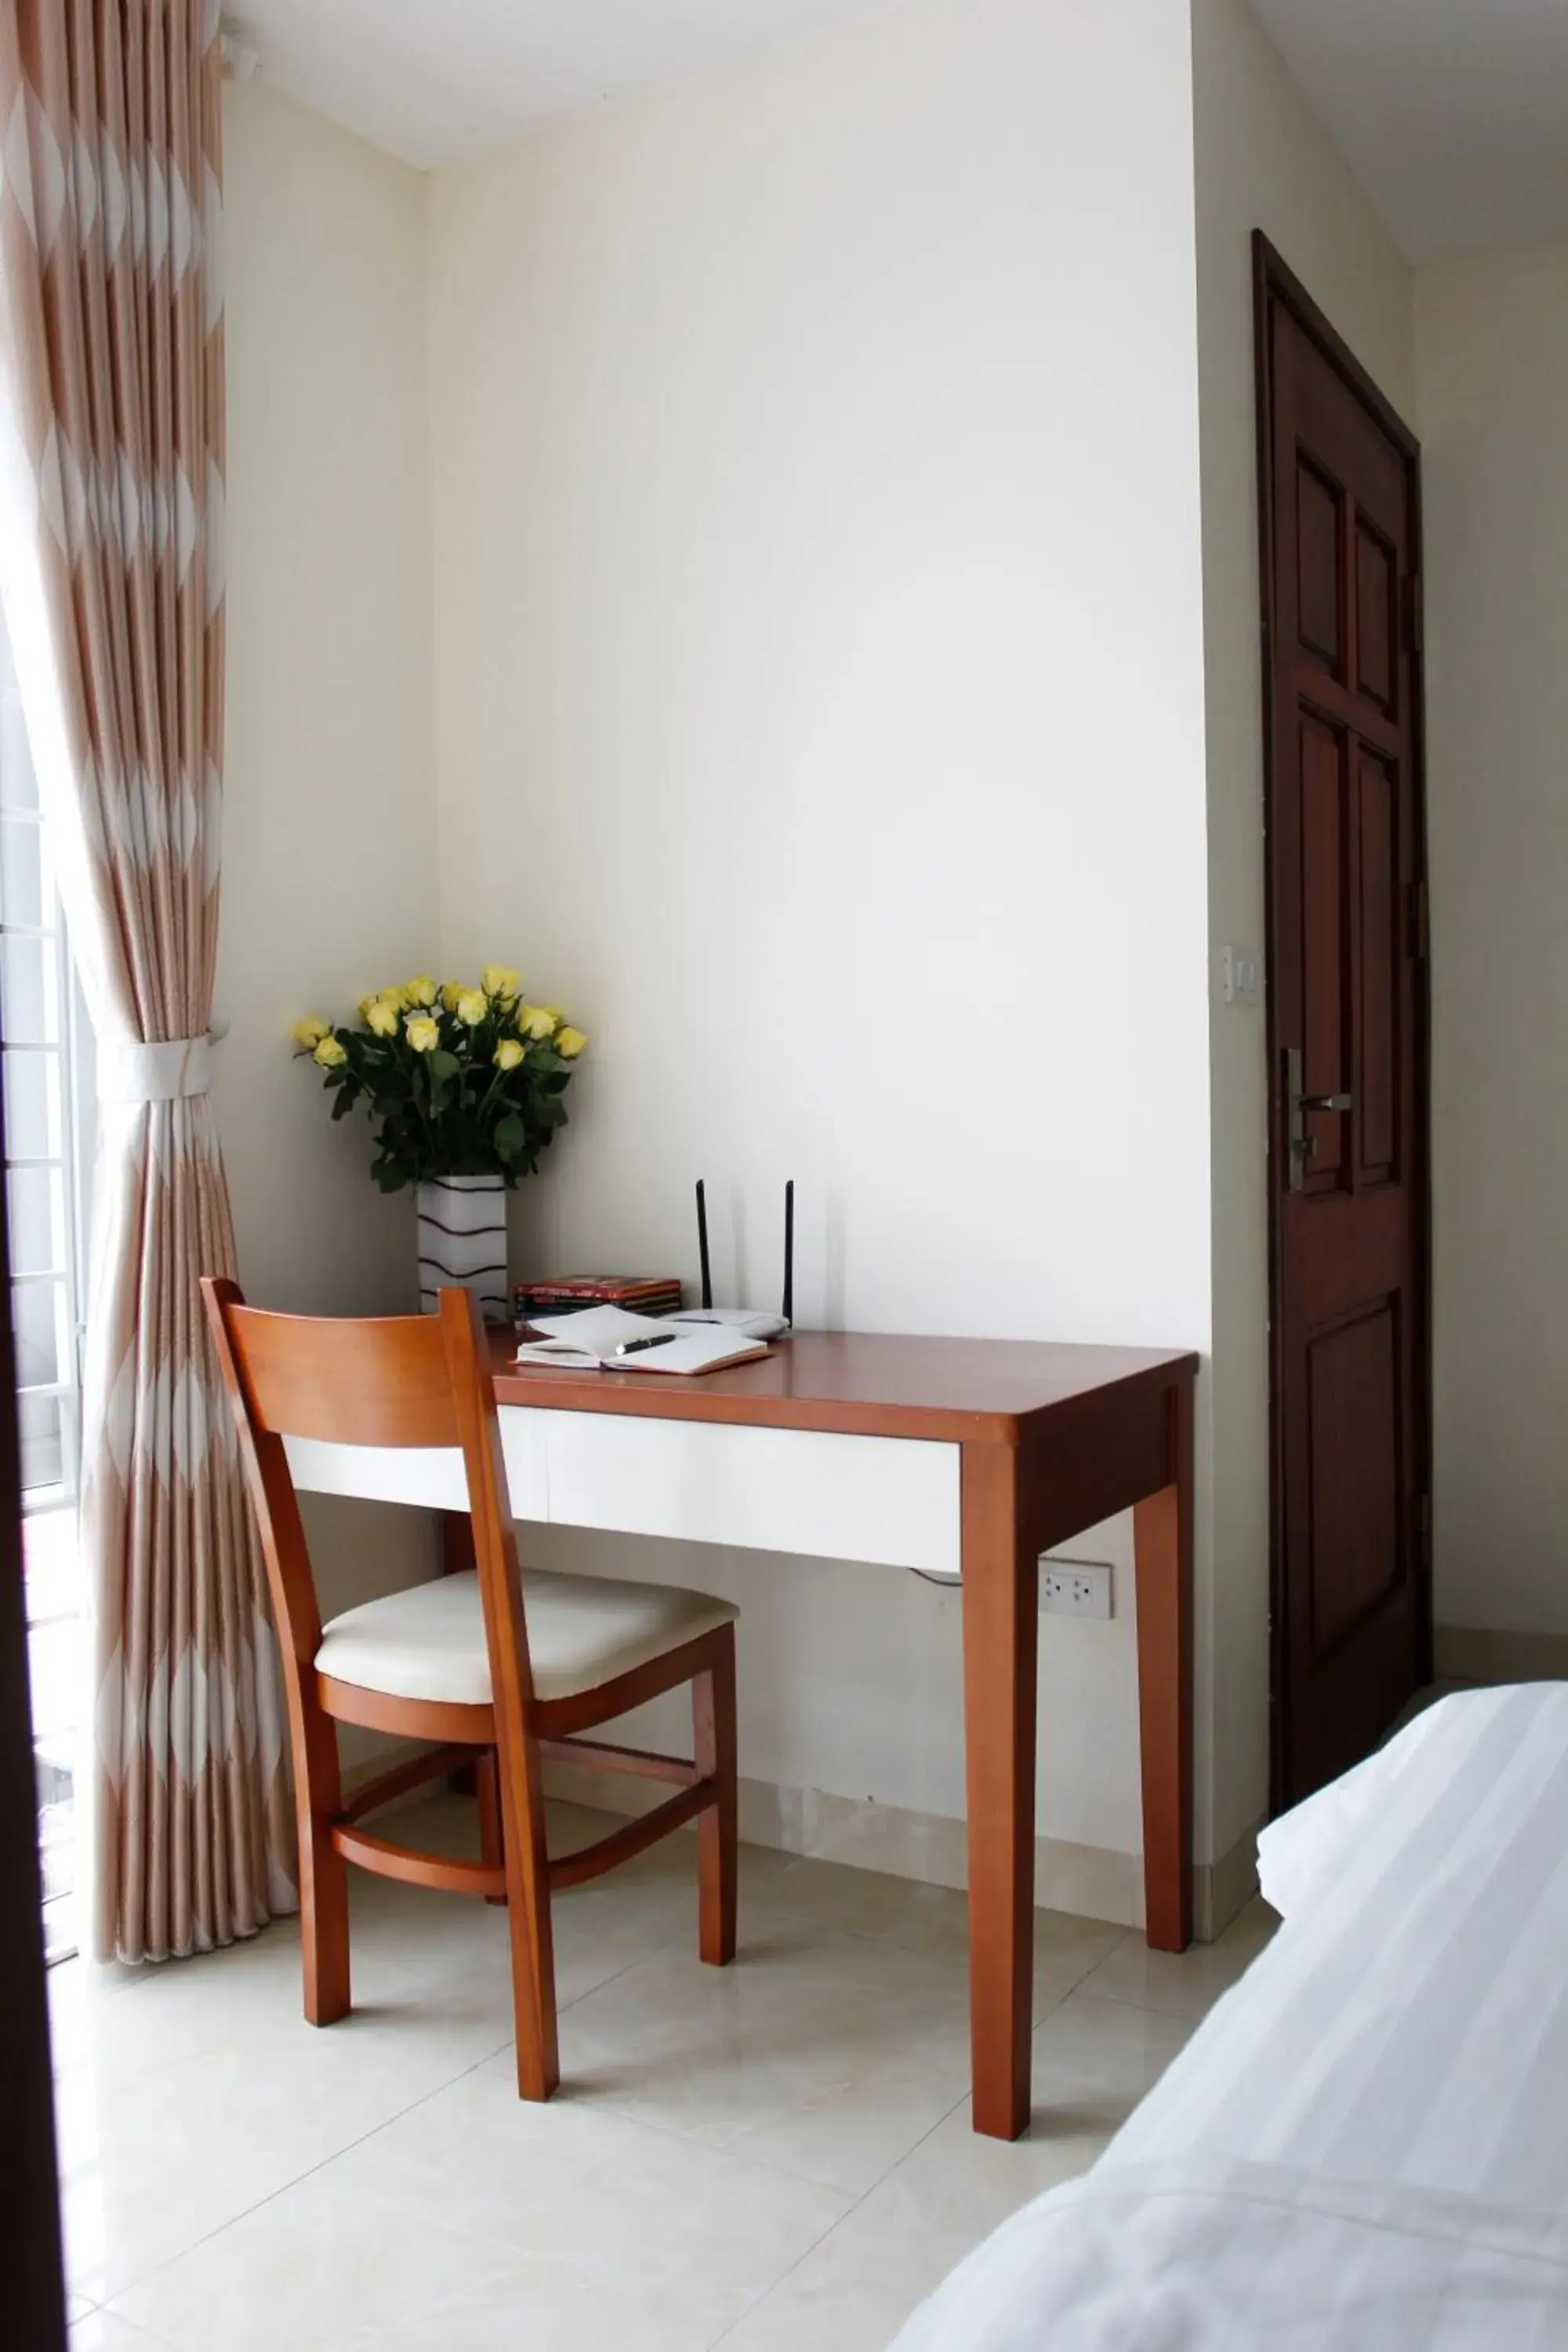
[399, 1381]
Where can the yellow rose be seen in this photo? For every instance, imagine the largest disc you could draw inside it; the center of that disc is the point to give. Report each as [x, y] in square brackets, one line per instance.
[508, 1054]
[472, 1007]
[450, 992]
[310, 1032]
[383, 1017]
[499, 979]
[420, 989]
[423, 1033]
[570, 1042]
[537, 1020]
[329, 1054]
[363, 1007]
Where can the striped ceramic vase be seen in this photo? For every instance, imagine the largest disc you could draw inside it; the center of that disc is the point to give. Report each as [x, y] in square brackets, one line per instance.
[462, 1238]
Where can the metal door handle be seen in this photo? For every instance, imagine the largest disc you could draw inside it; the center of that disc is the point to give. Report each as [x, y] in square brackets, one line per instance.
[1300, 1146]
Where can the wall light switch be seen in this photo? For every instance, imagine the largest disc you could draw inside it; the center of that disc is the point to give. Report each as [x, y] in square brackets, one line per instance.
[1241, 971]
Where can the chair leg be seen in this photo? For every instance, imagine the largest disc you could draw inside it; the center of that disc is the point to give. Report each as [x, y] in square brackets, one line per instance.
[527, 1864]
[487, 1787]
[714, 1728]
[324, 1873]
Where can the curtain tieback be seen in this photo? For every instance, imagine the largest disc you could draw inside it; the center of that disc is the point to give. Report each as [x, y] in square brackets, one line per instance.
[174, 1068]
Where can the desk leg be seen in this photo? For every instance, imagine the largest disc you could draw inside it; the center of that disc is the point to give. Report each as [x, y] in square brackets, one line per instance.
[1001, 1636]
[1163, 1535]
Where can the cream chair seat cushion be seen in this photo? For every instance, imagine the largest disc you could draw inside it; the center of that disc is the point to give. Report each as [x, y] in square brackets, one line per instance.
[429, 1642]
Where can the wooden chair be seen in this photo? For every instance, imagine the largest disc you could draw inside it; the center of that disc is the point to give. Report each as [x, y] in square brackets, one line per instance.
[458, 1661]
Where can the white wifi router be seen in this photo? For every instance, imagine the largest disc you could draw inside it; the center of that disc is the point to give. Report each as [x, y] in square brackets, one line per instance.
[750, 1322]
[740, 1319]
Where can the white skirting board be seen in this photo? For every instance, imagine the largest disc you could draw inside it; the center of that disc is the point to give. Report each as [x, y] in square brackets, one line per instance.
[1090, 1881]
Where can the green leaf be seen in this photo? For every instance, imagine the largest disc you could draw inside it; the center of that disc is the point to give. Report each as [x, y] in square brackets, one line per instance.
[451, 1112]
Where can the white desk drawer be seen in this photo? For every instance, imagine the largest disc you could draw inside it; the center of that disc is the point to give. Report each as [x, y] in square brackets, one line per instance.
[431, 1476]
[792, 1490]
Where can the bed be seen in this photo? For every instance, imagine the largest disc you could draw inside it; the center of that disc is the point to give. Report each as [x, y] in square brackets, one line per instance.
[1365, 2145]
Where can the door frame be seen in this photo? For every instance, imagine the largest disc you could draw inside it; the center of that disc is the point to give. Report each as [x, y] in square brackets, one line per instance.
[1273, 282]
[31, 2255]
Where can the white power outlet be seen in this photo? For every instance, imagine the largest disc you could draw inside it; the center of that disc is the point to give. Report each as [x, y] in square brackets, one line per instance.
[1075, 1588]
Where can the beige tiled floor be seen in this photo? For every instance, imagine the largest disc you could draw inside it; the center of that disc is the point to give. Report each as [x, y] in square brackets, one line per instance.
[777, 2154]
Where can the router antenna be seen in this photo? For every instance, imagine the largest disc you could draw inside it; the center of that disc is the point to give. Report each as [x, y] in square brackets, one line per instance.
[788, 1309]
[702, 1244]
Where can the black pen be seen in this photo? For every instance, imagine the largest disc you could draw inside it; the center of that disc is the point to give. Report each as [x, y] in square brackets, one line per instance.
[636, 1347]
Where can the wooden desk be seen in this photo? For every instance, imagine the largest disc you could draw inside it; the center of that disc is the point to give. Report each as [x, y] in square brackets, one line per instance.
[966, 1456]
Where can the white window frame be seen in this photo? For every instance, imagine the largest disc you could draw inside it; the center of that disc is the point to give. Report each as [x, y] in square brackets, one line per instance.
[68, 1280]
[69, 1114]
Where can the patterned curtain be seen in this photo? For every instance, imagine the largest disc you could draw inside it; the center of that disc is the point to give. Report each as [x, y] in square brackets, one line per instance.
[112, 413]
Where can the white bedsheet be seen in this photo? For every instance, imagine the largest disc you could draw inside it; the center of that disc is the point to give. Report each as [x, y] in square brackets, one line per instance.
[1214, 2256]
[1389, 2080]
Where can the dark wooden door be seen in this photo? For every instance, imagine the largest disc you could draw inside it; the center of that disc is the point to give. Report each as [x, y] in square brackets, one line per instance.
[1340, 496]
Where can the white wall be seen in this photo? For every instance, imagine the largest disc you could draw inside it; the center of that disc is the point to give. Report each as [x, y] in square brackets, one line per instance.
[1262, 160]
[1492, 349]
[819, 715]
[329, 818]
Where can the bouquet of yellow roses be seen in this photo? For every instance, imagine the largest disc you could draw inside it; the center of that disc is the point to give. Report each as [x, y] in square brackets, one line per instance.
[459, 1081]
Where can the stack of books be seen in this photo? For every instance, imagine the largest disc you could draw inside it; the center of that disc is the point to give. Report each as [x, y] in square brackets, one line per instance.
[634, 1294]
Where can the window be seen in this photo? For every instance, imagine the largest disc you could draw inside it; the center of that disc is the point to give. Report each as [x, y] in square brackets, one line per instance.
[42, 1038]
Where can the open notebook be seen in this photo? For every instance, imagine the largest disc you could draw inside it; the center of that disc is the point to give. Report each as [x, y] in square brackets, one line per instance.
[593, 1341]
